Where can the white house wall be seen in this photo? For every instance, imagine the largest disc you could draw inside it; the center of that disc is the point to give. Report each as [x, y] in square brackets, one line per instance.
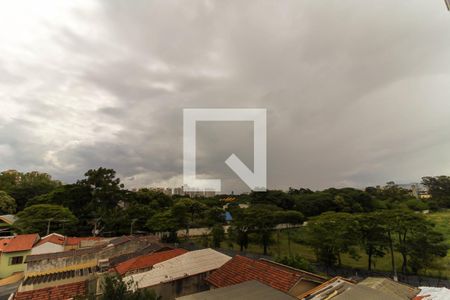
[47, 248]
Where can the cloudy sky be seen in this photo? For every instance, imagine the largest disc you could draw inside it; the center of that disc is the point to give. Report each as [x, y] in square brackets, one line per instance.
[357, 92]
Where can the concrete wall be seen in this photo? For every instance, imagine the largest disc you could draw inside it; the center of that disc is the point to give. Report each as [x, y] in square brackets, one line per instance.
[6, 269]
[47, 248]
[84, 260]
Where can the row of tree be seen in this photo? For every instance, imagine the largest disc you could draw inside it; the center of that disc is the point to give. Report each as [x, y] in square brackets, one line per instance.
[378, 233]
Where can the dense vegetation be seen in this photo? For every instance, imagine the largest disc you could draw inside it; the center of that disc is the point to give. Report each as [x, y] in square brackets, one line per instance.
[347, 222]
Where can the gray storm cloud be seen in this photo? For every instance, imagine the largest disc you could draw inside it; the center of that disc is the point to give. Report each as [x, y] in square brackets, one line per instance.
[357, 92]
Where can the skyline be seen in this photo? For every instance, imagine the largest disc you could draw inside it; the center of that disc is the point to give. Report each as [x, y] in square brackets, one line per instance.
[354, 96]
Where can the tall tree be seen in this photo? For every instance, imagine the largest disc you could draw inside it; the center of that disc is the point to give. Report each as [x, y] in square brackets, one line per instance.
[7, 204]
[106, 189]
[43, 218]
[439, 188]
[165, 222]
[330, 235]
[290, 218]
[372, 236]
[25, 186]
[218, 235]
[262, 221]
[409, 234]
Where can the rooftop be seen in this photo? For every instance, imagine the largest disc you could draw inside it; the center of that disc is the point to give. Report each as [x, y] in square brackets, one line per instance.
[241, 269]
[45, 278]
[188, 264]
[23, 242]
[371, 288]
[8, 219]
[66, 291]
[391, 287]
[147, 261]
[249, 290]
[54, 238]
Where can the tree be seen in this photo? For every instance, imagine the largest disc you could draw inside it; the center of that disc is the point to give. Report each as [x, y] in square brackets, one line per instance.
[273, 197]
[295, 261]
[291, 218]
[187, 211]
[156, 199]
[218, 235]
[25, 186]
[262, 221]
[426, 246]
[330, 235]
[214, 216]
[114, 288]
[7, 204]
[165, 222]
[439, 189]
[106, 189]
[240, 227]
[414, 237]
[372, 235]
[43, 218]
[78, 199]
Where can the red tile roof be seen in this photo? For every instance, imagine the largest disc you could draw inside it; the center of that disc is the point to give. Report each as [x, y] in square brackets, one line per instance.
[52, 238]
[68, 241]
[21, 242]
[61, 292]
[147, 261]
[4, 242]
[241, 269]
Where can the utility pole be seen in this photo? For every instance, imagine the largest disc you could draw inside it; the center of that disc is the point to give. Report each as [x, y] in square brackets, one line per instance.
[132, 223]
[48, 226]
[96, 231]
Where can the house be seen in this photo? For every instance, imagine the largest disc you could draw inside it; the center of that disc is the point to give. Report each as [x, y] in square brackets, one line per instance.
[51, 243]
[283, 278]
[145, 262]
[8, 219]
[74, 272]
[13, 253]
[182, 275]
[6, 222]
[248, 290]
[371, 288]
[55, 242]
[83, 242]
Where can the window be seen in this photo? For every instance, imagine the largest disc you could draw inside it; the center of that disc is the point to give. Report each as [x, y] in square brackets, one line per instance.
[16, 260]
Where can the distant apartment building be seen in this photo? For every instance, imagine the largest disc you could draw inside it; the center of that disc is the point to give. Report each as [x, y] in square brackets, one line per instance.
[183, 191]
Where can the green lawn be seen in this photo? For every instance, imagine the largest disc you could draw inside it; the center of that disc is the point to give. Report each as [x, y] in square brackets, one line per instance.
[441, 219]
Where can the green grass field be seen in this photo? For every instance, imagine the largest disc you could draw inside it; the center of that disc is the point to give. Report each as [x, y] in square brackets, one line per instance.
[441, 219]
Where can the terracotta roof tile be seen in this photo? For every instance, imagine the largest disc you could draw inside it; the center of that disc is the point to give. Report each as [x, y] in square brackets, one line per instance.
[4, 242]
[21, 242]
[147, 261]
[241, 269]
[66, 291]
[52, 238]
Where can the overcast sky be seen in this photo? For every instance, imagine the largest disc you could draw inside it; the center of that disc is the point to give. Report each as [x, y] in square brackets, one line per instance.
[357, 92]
